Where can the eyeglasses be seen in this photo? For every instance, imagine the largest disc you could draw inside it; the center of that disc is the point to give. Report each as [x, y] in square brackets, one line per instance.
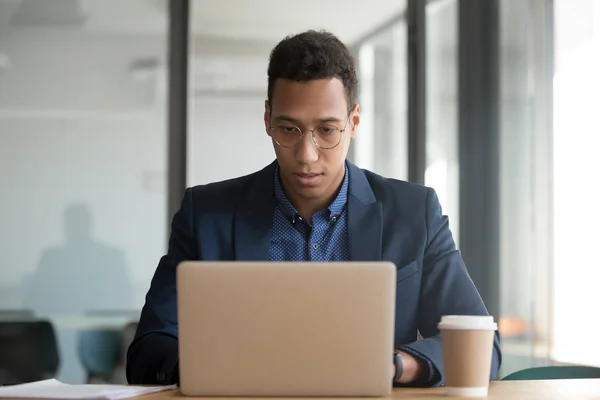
[325, 136]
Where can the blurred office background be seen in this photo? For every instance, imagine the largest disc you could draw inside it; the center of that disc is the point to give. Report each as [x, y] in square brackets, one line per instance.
[109, 108]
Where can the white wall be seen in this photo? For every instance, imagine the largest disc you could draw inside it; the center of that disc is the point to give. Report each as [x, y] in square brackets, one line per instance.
[228, 138]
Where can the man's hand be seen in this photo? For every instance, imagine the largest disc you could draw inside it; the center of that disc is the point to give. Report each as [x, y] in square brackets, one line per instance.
[413, 369]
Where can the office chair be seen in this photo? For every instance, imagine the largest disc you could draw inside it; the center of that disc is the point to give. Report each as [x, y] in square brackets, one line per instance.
[99, 351]
[103, 353]
[28, 351]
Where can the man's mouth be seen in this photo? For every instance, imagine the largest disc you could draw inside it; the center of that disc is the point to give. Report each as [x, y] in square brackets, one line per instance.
[308, 179]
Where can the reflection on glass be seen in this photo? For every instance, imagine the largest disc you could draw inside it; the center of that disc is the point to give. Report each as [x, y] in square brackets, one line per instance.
[80, 275]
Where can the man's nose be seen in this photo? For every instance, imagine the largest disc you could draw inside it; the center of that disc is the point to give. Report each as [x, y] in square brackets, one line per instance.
[307, 151]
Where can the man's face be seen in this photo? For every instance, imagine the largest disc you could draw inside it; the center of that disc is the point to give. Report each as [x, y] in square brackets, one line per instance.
[307, 171]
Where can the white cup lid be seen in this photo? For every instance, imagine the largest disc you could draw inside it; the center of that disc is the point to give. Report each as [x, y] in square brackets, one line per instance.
[475, 322]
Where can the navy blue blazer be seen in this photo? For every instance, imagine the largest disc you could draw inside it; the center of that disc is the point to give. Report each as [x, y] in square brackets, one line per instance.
[388, 220]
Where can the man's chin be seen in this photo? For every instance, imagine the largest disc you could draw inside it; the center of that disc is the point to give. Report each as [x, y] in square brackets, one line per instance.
[309, 193]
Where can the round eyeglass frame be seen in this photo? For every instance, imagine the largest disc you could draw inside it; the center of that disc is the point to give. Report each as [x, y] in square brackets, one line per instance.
[312, 135]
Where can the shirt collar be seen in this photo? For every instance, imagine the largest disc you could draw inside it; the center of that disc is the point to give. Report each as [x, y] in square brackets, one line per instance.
[335, 208]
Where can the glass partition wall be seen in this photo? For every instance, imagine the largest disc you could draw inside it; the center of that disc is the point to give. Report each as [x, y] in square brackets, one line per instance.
[82, 170]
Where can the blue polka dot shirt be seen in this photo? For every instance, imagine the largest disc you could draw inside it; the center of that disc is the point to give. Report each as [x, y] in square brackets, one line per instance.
[324, 238]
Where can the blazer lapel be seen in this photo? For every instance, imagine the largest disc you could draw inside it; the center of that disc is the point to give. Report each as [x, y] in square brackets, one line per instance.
[254, 219]
[365, 218]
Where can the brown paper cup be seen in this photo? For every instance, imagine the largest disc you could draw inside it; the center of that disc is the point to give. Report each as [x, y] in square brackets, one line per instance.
[467, 346]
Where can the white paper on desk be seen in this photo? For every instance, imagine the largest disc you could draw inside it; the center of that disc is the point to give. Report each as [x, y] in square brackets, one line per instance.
[53, 389]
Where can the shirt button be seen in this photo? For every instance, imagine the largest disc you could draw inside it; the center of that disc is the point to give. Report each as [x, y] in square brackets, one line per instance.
[333, 219]
[315, 246]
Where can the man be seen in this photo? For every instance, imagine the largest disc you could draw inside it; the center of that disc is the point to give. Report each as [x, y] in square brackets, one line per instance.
[313, 205]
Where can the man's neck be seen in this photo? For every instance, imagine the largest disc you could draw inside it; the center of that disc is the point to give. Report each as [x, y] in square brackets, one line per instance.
[307, 207]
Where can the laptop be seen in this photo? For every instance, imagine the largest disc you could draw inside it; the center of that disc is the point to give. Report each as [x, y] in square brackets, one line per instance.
[286, 329]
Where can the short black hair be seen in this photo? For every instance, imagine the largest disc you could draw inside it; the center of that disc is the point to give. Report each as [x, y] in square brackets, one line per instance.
[313, 55]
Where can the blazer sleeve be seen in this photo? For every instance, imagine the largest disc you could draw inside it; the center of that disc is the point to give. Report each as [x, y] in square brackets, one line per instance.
[446, 289]
[152, 357]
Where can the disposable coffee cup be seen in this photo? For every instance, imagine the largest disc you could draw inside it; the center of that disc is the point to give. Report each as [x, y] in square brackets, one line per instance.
[467, 346]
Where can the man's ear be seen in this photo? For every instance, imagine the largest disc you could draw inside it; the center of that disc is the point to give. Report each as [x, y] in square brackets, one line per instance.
[267, 117]
[354, 120]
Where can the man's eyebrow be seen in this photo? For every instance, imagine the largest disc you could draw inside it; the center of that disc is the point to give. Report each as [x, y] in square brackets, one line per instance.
[330, 119]
[295, 121]
[286, 118]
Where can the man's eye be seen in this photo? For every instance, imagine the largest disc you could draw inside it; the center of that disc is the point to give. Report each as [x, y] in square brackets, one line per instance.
[287, 129]
[326, 130]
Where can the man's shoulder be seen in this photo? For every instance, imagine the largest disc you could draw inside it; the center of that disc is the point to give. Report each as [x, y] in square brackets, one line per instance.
[401, 199]
[225, 187]
[383, 187]
[227, 192]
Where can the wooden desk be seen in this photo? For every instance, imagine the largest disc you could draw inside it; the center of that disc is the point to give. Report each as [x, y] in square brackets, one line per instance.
[580, 389]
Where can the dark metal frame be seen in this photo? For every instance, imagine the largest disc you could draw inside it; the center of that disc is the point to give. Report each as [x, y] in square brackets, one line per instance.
[479, 106]
[417, 114]
[179, 11]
